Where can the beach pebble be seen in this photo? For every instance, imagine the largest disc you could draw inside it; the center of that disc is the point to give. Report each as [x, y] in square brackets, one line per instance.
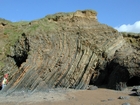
[91, 87]
[103, 100]
[135, 88]
[126, 104]
[138, 92]
[124, 97]
[110, 99]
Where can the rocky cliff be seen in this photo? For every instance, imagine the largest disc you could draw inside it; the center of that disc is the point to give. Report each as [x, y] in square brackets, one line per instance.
[69, 50]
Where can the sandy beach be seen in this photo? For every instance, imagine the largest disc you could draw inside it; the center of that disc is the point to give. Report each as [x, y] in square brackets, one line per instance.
[99, 96]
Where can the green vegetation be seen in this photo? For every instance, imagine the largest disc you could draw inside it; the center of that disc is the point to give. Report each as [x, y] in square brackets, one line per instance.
[4, 21]
[1, 64]
[11, 32]
[57, 16]
[12, 35]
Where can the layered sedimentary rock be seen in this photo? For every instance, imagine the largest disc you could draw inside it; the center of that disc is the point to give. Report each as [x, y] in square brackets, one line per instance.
[127, 64]
[70, 50]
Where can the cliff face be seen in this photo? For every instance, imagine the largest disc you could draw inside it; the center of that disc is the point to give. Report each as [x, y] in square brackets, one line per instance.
[70, 50]
[127, 59]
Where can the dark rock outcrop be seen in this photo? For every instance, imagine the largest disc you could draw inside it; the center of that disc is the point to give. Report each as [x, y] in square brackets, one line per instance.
[72, 51]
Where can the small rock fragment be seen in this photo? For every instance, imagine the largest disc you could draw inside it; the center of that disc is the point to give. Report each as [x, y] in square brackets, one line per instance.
[138, 92]
[135, 88]
[103, 100]
[110, 99]
[124, 97]
[91, 87]
[126, 104]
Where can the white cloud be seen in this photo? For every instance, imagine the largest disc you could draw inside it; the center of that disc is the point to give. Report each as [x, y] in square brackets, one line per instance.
[129, 27]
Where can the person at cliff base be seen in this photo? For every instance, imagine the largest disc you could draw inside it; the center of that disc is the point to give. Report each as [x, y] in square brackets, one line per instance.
[4, 81]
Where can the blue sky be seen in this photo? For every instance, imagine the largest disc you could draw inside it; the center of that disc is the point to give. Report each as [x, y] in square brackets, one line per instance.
[116, 13]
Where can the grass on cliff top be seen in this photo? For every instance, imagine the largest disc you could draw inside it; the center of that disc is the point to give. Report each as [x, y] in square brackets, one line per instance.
[4, 21]
[58, 15]
[12, 32]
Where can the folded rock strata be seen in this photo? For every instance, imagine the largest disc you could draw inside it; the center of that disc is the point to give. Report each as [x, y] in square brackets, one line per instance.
[71, 50]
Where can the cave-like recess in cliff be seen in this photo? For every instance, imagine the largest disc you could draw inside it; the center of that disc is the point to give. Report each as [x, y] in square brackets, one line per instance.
[20, 59]
[21, 51]
[134, 81]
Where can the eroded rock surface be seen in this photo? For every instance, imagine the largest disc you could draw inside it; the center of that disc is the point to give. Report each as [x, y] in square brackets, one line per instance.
[71, 50]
